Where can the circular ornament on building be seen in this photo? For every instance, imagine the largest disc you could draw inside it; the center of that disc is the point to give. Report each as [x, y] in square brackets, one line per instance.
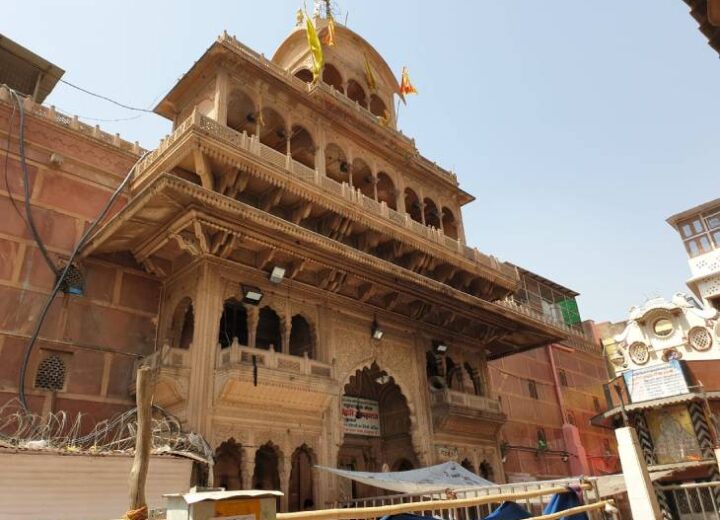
[700, 339]
[639, 352]
[663, 327]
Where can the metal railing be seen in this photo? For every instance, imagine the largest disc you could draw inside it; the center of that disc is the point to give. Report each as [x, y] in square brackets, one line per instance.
[693, 500]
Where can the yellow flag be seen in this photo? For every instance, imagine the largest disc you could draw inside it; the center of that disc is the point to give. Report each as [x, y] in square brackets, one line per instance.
[370, 75]
[315, 48]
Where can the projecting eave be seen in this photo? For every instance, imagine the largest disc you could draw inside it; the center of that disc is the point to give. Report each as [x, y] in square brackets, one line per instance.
[705, 206]
[172, 222]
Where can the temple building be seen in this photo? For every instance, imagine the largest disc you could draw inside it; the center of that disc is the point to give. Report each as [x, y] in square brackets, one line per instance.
[296, 273]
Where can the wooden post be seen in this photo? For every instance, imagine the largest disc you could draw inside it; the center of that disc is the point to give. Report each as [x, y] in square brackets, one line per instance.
[138, 473]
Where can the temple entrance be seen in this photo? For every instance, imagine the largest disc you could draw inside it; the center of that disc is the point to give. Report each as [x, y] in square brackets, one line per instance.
[376, 422]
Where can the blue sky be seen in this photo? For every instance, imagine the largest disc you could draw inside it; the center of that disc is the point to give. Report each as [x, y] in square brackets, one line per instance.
[579, 126]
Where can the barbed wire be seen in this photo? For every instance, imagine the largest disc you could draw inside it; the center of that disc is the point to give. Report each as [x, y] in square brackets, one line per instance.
[62, 432]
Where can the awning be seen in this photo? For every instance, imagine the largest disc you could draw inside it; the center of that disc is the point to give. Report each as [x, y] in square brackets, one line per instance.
[449, 475]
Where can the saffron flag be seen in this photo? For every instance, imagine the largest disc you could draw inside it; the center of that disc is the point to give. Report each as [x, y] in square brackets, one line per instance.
[329, 37]
[370, 75]
[405, 86]
[315, 48]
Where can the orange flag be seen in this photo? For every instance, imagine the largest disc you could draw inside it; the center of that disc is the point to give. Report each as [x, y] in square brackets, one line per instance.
[329, 36]
[405, 86]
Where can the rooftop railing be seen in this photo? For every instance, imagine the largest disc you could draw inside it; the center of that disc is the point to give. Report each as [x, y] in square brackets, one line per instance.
[251, 144]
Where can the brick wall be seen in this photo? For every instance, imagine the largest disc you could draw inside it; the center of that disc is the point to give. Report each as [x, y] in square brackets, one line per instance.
[97, 335]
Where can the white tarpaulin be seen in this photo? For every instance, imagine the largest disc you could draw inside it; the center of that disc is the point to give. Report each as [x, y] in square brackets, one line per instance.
[449, 475]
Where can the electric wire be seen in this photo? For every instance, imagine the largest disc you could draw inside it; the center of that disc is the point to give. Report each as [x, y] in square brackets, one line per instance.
[26, 187]
[100, 96]
[6, 167]
[46, 306]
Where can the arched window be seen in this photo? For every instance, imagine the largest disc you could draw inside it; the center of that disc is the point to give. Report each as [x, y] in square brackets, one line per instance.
[378, 107]
[386, 190]
[304, 75]
[450, 227]
[241, 112]
[474, 376]
[302, 147]
[301, 337]
[432, 215]
[332, 77]
[273, 130]
[188, 329]
[486, 471]
[50, 374]
[268, 330]
[412, 205]
[233, 324]
[356, 93]
[362, 178]
[454, 374]
[432, 364]
[336, 163]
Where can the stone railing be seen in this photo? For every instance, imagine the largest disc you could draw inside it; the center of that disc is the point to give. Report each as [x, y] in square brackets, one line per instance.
[251, 144]
[237, 354]
[167, 356]
[72, 122]
[473, 402]
[299, 85]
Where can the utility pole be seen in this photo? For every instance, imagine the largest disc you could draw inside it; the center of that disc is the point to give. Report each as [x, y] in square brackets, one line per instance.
[138, 474]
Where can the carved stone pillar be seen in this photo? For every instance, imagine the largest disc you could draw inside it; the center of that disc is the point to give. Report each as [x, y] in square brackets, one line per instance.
[285, 466]
[208, 309]
[247, 468]
[286, 324]
[253, 316]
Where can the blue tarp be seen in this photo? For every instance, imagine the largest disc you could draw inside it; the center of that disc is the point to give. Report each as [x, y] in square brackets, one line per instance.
[563, 501]
[508, 511]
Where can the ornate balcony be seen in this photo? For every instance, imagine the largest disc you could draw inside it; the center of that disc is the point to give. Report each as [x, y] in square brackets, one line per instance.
[459, 413]
[252, 376]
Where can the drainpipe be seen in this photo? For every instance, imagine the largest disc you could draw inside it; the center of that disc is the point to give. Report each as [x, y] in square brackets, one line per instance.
[571, 436]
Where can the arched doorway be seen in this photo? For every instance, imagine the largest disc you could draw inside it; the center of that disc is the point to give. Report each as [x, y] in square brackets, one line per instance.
[468, 465]
[267, 467]
[300, 493]
[227, 469]
[376, 425]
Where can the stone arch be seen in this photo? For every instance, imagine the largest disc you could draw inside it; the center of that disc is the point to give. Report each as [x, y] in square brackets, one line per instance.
[273, 130]
[269, 329]
[432, 214]
[337, 166]
[241, 112]
[371, 369]
[268, 462]
[356, 93]
[468, 465]
[182, 325]
[301, 492]
[302, 146]
[474, 377]
[449, 224]
[454, 374]
[227, 470]
[331, 75]
[413, 205]
[302, 337]
[362, 177]
[402, 464]
[486, 471]
[386, 190]
[378, 106]
[304, 75]
[233, 324]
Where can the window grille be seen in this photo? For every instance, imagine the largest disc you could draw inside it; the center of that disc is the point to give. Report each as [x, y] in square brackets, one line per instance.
[51, 373]
[74, 281]
[532, 390]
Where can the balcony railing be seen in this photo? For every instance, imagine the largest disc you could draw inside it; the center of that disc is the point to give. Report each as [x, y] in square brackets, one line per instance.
[470, 401]
[237, 354]
[252, 144]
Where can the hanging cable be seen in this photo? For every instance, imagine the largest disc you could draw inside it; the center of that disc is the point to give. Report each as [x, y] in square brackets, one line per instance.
[26, 188]
[100, 96]
[46, 306]
[6, 167]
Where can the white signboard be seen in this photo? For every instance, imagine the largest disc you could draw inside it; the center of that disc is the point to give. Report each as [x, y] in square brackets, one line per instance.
[656, 382]
[361, 416]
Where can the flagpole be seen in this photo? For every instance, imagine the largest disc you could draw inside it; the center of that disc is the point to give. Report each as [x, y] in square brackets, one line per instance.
[397, 112]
